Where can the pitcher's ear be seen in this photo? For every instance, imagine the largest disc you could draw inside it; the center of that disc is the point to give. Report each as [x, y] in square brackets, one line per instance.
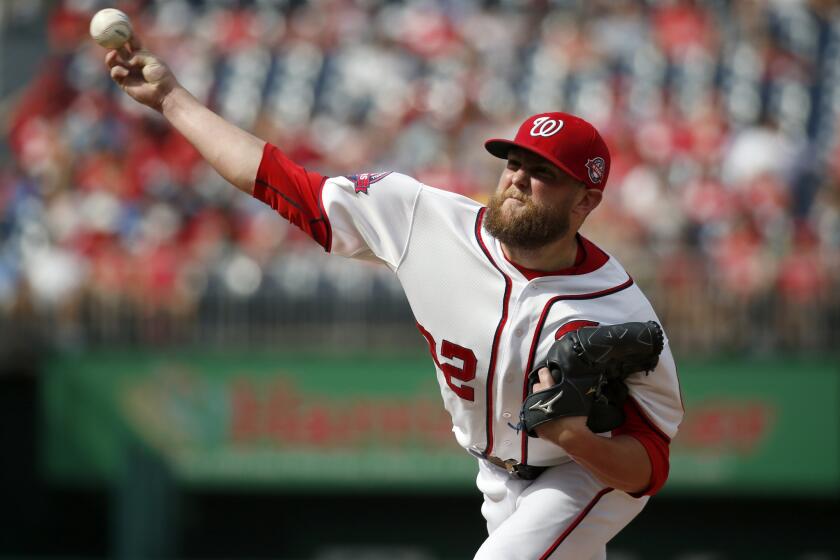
[589, 201]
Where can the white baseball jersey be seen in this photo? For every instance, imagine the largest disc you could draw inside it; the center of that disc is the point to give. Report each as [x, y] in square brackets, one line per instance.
[486, 320]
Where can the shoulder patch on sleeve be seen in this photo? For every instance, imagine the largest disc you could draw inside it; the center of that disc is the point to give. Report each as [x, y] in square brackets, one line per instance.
[363, 181]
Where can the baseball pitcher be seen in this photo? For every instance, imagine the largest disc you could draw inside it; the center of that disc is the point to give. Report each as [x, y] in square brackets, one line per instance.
[550, 360]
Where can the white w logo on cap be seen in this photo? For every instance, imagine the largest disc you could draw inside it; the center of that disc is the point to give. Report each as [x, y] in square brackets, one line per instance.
[546, 126]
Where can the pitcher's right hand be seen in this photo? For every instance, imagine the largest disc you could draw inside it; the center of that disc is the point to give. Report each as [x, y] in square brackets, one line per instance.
[141, 74]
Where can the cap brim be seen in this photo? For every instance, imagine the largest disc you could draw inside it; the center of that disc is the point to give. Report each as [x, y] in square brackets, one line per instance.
[500, 147]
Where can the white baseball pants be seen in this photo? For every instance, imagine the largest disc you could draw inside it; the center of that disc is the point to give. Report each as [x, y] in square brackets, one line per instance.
[566, 513]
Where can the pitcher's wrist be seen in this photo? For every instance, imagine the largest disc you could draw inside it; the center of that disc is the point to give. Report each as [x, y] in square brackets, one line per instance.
[174, 100]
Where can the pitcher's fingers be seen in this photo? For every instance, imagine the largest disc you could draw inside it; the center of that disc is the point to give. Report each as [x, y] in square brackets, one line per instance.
[124, 52]
[545, 382]
[545, 377]
[141, 58]
[119, 73]
[113, 58]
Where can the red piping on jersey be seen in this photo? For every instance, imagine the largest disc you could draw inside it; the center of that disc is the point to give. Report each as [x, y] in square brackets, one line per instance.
[574, 523]
[538, 330]
[431, 342]
[491, 369]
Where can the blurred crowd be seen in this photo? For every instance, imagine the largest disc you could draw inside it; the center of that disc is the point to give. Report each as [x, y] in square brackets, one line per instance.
[723, 201]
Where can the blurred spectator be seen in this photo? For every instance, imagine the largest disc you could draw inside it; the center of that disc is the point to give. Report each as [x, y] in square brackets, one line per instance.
[721, 118]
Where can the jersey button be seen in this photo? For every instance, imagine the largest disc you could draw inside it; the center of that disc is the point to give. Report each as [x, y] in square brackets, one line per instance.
[506, 442]
[506, 414]
[518, 332]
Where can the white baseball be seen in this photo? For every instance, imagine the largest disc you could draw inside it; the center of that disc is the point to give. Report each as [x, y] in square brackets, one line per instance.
[110, 28]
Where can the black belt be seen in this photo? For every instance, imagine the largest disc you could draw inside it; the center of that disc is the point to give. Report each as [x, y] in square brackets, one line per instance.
[514, 468]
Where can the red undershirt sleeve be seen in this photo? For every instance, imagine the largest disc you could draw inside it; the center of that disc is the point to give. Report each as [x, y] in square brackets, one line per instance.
[294, 193]
[654, 441]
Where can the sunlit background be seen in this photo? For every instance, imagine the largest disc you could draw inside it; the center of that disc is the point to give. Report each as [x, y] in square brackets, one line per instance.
[184, 375]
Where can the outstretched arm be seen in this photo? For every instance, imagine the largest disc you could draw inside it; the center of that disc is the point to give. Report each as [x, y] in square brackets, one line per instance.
[233, 152]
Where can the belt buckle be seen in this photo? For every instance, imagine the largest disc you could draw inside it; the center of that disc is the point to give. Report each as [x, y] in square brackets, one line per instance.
[511, 466]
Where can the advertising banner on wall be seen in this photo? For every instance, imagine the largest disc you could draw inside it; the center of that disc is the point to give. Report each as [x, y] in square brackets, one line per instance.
[312, 422]
[756, 426]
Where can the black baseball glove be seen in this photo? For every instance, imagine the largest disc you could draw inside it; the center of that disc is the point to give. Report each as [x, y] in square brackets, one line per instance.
[589, 367]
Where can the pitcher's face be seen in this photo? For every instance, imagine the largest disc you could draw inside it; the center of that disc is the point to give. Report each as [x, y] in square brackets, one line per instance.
[533, 203]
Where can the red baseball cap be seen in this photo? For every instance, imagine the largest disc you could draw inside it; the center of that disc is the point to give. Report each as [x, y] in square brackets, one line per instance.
[567, 141]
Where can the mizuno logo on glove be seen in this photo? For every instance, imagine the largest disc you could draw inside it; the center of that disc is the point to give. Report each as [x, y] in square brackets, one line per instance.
[546, 408]
[590, 366]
